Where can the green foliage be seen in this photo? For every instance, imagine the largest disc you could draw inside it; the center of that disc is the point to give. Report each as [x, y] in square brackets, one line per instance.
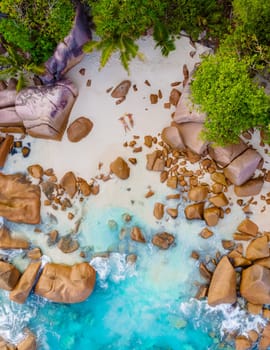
[119, 23]
[36, 26]
[232, 101]
[15, 64]
[196, 16]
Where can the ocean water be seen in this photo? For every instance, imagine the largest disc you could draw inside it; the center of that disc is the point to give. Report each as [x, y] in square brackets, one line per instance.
[146, 305]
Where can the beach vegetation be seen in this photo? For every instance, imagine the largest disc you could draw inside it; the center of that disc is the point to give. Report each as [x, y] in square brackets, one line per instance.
[36, 27]
[234, 103]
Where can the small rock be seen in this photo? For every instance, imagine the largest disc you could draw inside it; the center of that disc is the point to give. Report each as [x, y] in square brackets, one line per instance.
[137, 235]
[35, 171]
[174, 97]
[194, 211]
[211, 216]
[25, 151]
[249, 227]
[163, 240]
[158, 210]
[9, 276]
[69, 183]
[67, 245]
[120, 168]
[121, 89]
[79, 129]
[153, 99]
[206, 233]
[34, 254]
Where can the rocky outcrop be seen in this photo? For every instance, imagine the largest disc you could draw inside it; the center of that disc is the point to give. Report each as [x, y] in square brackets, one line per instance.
[171, 137]
[45, 109]
[255, 284]
[66, 284]
[223, 156]
[69, 52]
[120, 168]
[20, 200]
[79, 129]
[243, 167]
[186, 111]
[23, 288]
[222, 288]
[9, 276]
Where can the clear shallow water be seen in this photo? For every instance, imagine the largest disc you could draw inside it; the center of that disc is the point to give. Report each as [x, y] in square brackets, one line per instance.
[148, 305]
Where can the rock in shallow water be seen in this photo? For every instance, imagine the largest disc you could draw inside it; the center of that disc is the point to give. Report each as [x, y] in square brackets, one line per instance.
[66, 284]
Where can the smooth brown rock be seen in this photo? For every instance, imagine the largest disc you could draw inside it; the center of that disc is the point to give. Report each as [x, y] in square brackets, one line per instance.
[120, 168]
[174, 97]
[243, 167]
[191, 135]
[79, 129]
[250, 188]
[20, 200]
[222, 288]
[66, 284]
[158, 210]
[8, 242]
[264, 342]
[219, 200]
[28, 343]
[9, 276]
[206, 233]
[198, 193]
[186, 111]
[34, 254]
[194, 211]
[137, 235]
[219, 178]
[242, 343]
[173, 212]
[121, 89]
[211, 216]
[5, 148]
[69, 183]
[23, 288]
[249, 227]
[225, 155]
[257, 249]
[171, 136]
[163, 240]
[255, 284]
[45, 109]
[35, 171]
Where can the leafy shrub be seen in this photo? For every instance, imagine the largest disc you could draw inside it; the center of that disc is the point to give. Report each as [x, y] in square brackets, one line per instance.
[119, 23]
[36, 27]
[233, 102]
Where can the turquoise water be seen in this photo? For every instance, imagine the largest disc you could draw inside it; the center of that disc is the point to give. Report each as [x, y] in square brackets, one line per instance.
[146, 305]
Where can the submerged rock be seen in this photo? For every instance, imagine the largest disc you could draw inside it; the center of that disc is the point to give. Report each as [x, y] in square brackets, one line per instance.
[250, 188]
[163, 240]
[66, 284]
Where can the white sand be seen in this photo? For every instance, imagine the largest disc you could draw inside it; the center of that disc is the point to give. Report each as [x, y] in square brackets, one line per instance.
[105, 142]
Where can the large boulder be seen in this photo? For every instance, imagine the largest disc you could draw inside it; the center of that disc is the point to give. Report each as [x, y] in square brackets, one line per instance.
[7, 98]
[23, 288]
[243, 167]
[66, 284]
[186, 111]
[222, 288]
[191, 135]
[250, 188]
[9, 117]
[120, 168]
[225, 155]
[9, 276]
[69, 52]
[171, 137]
[257, 249]
[20, 200]
[255, 284]
[45, 109]
[8, 242]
